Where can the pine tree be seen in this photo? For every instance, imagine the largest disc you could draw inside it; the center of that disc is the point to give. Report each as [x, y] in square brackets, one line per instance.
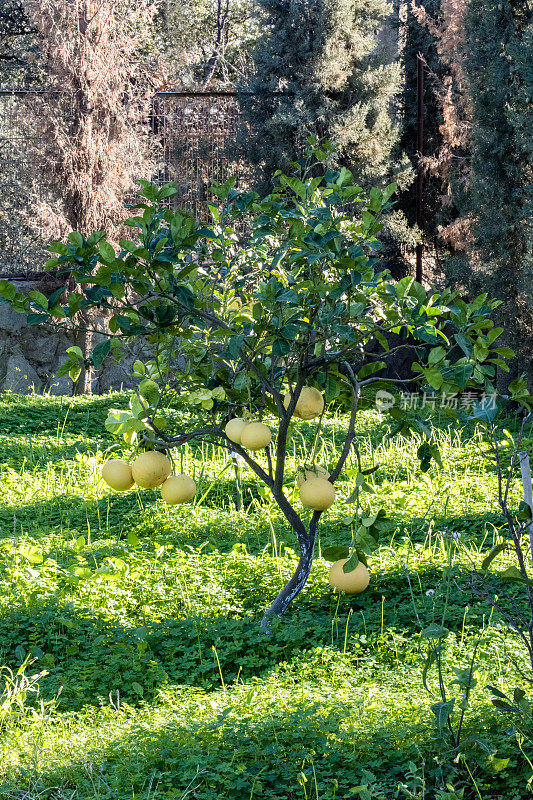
[18, 43]
[417, 39]
[498, 202]
[329, 68]
[439, 26]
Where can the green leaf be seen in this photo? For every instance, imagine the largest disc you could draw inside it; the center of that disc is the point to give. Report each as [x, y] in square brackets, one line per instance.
[107, 251]
[493, 334]
[369, 369]
[436, 354]
[495, 551]
[514, 574]
[31, 553]
[462, 374]
[389, 191]
[497, 692]
[57, 311]
[417, 291]
[524, 511]
[64, 368]
[504, 352]
[335, 552]
[442, 712]
[7, 290]
[351, 564]
[74, 373]
[36, 319]
[100, 352]
[168, 190]
[435, 453]
[76, 239]
[518, 695]
[464, 344]
[481, 351]
[38, 298]
[434, 377]
[485, 411]
[435, 631]
[365, 540]
[499, 763]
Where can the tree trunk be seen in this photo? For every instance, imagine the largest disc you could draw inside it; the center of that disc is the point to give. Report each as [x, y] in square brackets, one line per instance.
[299, 579]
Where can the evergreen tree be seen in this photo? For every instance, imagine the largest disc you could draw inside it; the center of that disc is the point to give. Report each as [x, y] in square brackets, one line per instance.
[329, 68]
[498, 202]
[18, 45]
[415, 39]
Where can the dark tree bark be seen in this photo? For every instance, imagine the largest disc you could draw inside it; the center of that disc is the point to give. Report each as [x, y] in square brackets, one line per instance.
[307, 544]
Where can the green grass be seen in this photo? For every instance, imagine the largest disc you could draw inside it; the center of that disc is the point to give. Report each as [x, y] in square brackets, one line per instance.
[145, 619]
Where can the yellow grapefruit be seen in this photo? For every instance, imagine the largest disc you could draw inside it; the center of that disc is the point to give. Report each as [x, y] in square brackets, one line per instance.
[150, 469]
[350, 582]
[310, 403]
[117, 474]
[234, 429]
[317, 493]
[255, 436]
[287, 400]
[316, 472]
[178, 489]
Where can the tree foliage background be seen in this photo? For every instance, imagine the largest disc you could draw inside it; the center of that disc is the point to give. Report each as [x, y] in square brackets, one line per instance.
[484, 158]
[346, 70]
[327, 68]
[206, 42]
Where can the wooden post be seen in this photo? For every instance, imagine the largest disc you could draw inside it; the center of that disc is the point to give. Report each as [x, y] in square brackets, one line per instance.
[525, 470]
[420, 152]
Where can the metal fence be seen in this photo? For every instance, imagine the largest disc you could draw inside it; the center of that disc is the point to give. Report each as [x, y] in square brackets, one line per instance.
[192, 130]
[195, 133]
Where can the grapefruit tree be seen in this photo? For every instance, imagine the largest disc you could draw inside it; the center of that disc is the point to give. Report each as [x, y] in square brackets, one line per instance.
[273, 323]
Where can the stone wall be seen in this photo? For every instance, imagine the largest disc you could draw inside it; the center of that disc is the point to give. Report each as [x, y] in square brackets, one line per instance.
[31, 355]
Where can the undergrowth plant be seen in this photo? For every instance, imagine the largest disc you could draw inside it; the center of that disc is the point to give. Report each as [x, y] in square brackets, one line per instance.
[243, 324]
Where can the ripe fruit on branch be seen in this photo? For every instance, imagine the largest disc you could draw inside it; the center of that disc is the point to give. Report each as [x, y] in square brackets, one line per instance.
[309, 474]
[178, 489]
[255, 436]
[310, 403]
[150, 469]
[234, 429]
[287, 400]
[149, 390]
[352, 582]
[117, 474]
[317, 493]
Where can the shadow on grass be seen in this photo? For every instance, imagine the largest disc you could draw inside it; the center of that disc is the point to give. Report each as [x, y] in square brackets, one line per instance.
[43, 415]
[233, 751]
[90, 655]
[269, 747]
[69, 511]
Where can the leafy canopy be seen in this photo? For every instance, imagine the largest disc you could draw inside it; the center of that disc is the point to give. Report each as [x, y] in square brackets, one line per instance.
[270, 293]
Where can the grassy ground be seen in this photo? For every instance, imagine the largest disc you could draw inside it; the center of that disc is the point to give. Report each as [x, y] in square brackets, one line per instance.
[144, 619]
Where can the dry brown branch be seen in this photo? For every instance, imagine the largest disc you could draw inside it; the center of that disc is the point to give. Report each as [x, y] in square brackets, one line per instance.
[93, 117]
